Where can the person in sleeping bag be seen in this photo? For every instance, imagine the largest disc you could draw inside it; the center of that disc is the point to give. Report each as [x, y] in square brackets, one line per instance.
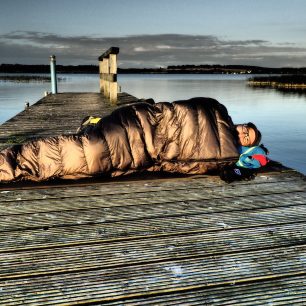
[194, 136]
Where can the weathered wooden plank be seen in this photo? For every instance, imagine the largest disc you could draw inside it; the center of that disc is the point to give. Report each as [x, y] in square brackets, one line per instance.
[136, 185]
[109, 77]
[283, 291]
[186, 188]
[87, 234]
[138, 193]
[244, 196]
[150, 205]
[259, 216]
[100, 214]
[156, 278]
[148, 249]
[111, 50]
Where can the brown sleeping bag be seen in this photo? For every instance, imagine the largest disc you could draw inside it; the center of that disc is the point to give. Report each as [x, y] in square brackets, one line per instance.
[192, 136]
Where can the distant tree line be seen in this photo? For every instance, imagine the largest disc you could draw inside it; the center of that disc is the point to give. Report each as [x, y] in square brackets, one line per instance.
[237, 69]
[18, 68]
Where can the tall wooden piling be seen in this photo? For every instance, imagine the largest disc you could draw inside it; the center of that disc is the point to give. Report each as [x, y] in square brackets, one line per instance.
[53, 74]
[108, 74]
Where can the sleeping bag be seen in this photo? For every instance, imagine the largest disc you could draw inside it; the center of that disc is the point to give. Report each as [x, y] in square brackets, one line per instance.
[190, 136]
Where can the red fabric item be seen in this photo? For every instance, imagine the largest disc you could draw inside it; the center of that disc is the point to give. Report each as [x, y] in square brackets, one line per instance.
[263, 160]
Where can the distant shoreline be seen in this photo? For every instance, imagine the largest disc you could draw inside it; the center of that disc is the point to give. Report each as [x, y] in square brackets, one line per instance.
[180, 69]
[279, 78]
[279, 82]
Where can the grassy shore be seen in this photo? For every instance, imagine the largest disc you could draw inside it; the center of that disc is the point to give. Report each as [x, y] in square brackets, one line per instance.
[295, 81]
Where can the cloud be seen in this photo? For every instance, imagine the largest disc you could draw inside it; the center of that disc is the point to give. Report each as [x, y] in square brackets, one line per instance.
[147, 50]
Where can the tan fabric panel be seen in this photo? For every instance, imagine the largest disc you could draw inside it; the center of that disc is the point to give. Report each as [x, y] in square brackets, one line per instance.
[146, 115]
[138, 149]
[208, 136]
[228, 142]
[73, 161]
[118, 145]
[49, 159]
[187, 167]
[27, 163]
[7, 172]
[167, 132]
[96, 154]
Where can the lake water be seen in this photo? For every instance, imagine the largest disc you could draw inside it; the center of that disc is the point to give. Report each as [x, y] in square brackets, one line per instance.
[281, 117]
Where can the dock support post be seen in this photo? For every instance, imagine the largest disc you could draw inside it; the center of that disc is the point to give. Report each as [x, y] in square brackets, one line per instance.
[53, 74]
[108, 74]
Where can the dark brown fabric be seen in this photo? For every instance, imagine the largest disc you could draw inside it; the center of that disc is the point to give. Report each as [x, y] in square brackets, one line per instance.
[193, 136]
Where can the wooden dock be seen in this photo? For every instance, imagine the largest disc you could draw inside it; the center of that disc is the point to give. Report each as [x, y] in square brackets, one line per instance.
[147, 240]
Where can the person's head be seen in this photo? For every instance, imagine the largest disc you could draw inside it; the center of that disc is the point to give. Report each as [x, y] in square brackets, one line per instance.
[248, 134]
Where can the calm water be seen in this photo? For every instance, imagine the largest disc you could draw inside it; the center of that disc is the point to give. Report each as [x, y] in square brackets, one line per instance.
[280, 117]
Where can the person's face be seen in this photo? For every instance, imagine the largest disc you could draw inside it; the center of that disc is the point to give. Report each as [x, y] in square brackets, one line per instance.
[246, 135]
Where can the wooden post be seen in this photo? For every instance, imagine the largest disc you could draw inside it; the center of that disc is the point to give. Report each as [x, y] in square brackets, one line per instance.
[105, 74]
[113, 85]
[53, 74]
[108, 74]
[101, 67]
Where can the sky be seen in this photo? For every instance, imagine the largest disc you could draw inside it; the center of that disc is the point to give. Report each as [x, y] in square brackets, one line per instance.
[154, 33]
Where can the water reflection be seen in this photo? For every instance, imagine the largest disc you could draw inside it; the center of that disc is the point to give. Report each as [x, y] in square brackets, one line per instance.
[284, 91]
